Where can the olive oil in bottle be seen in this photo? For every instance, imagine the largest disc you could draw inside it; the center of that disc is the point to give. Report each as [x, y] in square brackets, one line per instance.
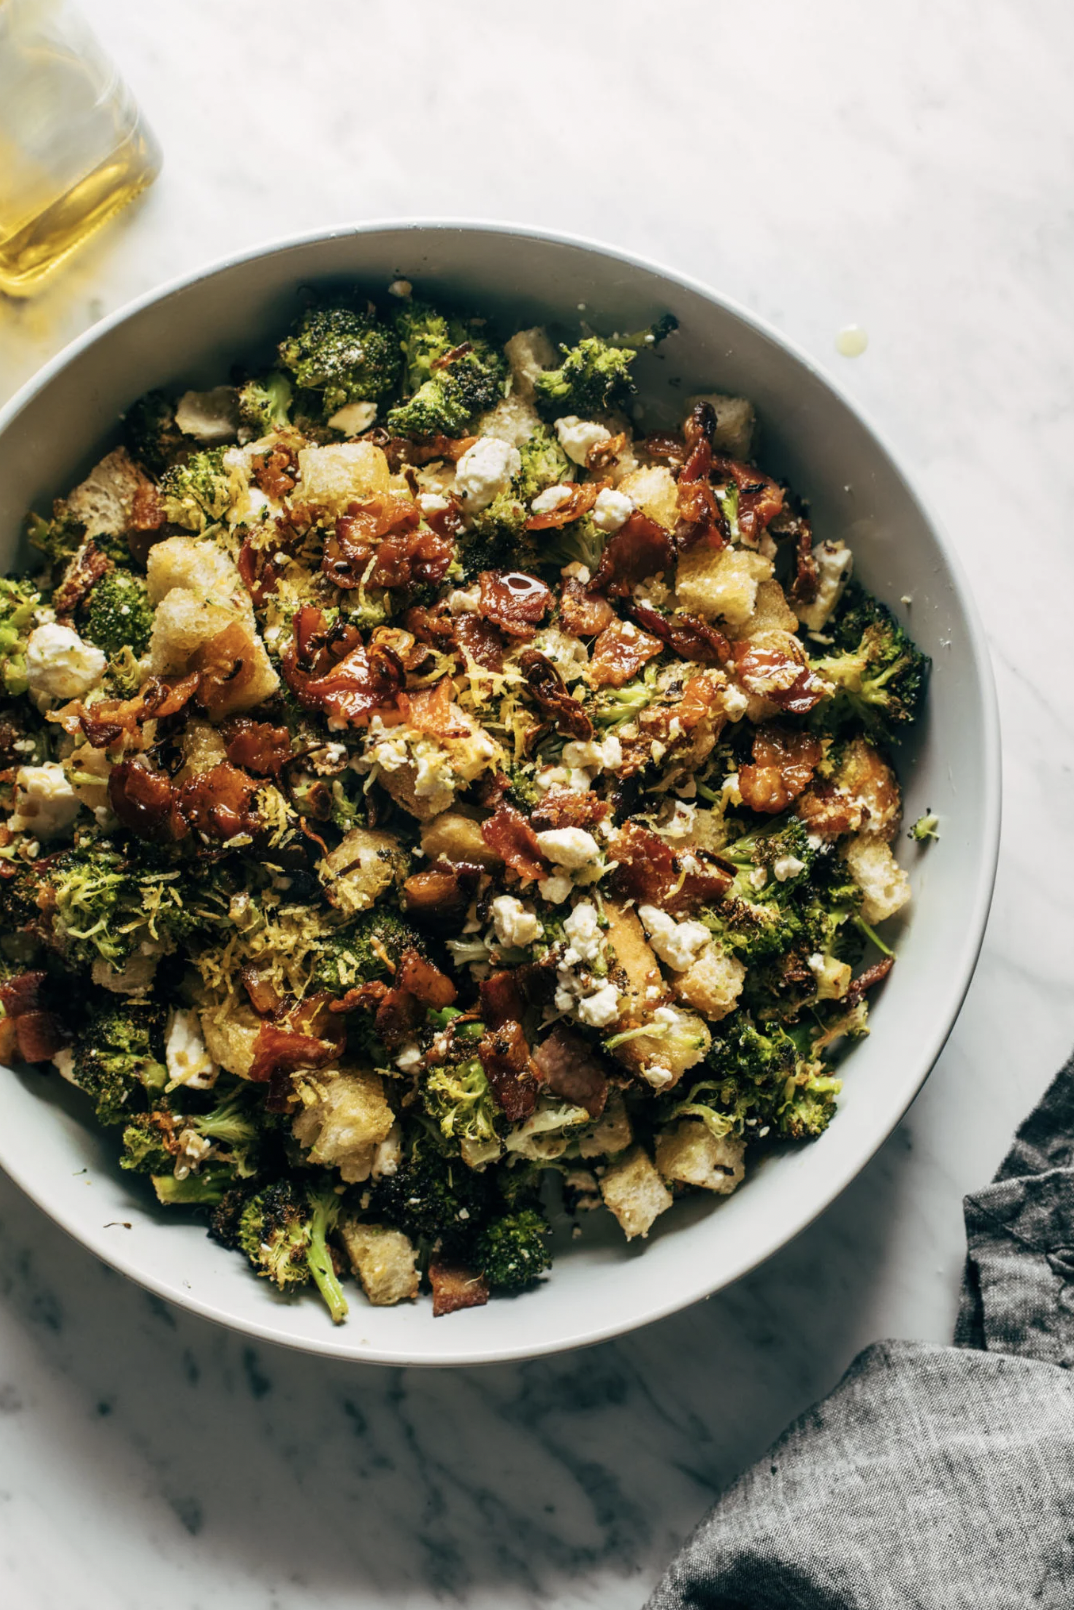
[74, 148]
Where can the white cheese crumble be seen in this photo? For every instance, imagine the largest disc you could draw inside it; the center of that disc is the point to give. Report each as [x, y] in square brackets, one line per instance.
[555, 889]
[594, 756]
[353, 418]
[569, 847]
[464, 601]
[432, 503]
[834, 562]
[59, 665]
[409, 1057]
[551, 498]
[676, 943]
[45, 803]
[186, 1053]
[611, 510]
[577, 436]
[599, 1009]
[484, 471]
[584, 936]
[515, 924]
[787, 866]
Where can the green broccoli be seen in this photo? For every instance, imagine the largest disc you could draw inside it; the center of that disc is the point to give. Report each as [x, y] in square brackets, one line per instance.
[544, 464]
[152, 436]
[120, 1057]
[198, 493]
[18, 602]
[205, 1189]
[425, 336]
[808, 1103]
[579, 542]
[880, 675]
[925, 828]
[433, 1198]
[150, 1143]
[456, 1096]
[283, 1230]
[782, 852]
[512, 1252]
[119, 615]
[594, 376]
[60, 538]
[345, 354]
[103, 901]
[264, 404]
[467, 380]
[370, 948]
[616, 706]
[523, 793]
[755, 1081]
[232, 1126]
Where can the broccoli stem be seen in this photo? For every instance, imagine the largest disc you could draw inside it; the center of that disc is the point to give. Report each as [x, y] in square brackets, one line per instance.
[319, 1261]
[872, 935]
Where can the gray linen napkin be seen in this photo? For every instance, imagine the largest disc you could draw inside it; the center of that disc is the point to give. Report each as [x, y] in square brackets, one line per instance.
[932, 1478]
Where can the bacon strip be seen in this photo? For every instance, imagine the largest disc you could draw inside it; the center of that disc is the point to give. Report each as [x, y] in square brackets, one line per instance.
[514, 600]
[620, 652]
[771, 673]
[439, 897]
[28, 1029]
[424, 981]
[429, 709]
[872, 976]
[686, 635]
[456, 1286]
[583, 613]
[257, 746]
[639, 549]
[569, 1069]
[280, 1052]
[783, 763]
[347, 686]
[219, 802]
[380, 542]
[649, 871]
[565, 807]
[146, 803]
[82, 574]
[580, 502]
[549, 693]
[505, 1057]
[511, 837]
[105, 723]
[760, 499]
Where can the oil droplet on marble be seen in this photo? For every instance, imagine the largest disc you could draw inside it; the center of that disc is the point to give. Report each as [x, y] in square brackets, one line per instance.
[851, 341]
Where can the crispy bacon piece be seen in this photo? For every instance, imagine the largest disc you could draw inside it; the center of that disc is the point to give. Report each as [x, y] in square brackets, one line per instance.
[772, 673]
[760, 499]
[380, 542]
[602, 455]
[565, 807]
[825, 809]
[505, 1057]
[434, 627]
[872, 975]
[147, 511]
[513, 600]
[257, 746]
[28, 1029]
[549, 693]
[581, 612]
[439, 897]
[225, 665]
[580, 502]
[401, 450]
[569, 1069]
[347, 686]
[282, 1049]
[398, 1017]
[263, 996]
[429, 709]
[619, 654]
[146, 803]
[219, 802]
[424, 981]
[806, 574]
[502, 1000]
[639, 549]
[104, 723]
[259, 571]
[686, 635]
[650, 872]
[481, 640]
[666, 445]
[455, 1286]
[275, 472]
[80, 578]
[511, 837]
[38, 1036]
[700, 517]
[783, 763]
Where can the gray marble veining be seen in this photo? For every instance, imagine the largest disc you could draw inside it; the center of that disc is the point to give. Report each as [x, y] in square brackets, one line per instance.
[909, 170]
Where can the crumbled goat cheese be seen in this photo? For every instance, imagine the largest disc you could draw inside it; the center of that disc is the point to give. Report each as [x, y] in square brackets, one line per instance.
[576, 572]
[577, 436]
[583, 932]
[193, 1150]
[484, 471]
[515, 925]
[758, 877]
[211, 417]
[59, 665]
[735, 703]
[45, 803]
[388, 1155]
[555, 889]
[600, 1009]
[611, 510]
[186, 1053]
[834, 562]
[409, 1057]
[682, 822]
[551, 498]
[570, 847]
[787, 866]
[432, 503]
[464, 601]
[353, 418]
[676, 943]
[594, 756]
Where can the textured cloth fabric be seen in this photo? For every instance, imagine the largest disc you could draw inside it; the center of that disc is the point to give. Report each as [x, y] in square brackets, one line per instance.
[932, 1478]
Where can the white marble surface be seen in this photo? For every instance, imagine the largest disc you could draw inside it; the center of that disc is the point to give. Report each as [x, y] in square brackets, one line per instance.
[907, 168]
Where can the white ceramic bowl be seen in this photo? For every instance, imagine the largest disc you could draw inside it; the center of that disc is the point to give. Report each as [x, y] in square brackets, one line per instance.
[190, 333]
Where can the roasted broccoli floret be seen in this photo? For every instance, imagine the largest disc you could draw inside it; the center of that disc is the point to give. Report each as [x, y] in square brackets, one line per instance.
[150, 1144]
[432, 1198]
[512, 1252]
[782, 852]
[152, 436]
[754, 1080]
[457, 1098]
[264, 404]
[497, 539]
[119, 614]
[370, 949]
[754, 929]
[808, 1103]
[197, 494]
[594, 376]
[616, 706]
[879, 673]
[283, 1230]
[346, 354]
[119, 1058]
[523, 793]
[152, 1141]
[467, 380]
[59, 539]
[102, 901]
[18, 601]
[206, 1189]
[925, 828]
[579, 542]
[544, 464]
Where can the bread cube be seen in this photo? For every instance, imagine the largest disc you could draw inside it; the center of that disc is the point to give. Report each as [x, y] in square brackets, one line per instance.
[771, 612]
[456, 838]
[230, 1033]
[654, 490]
[713, 984]
[633, 1190]
[735, 423]
[528, 353]
[343, 1118]
[384, 1261]
[877, 873]
[640, 982]
[720, 583]
[690, 1154]
[197, 566]
[611, 1133]
[105, 501]
[334, 476]
[363, 864]
[866, 776]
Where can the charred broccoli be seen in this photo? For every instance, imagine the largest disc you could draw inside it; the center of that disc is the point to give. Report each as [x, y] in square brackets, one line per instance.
[345, 354]
[370, 949]
[594, 376]
[512, 1252]
[880, 675]
[457, 1098]
[120, 614]
[465, 381]
[432, 1198]
[152, 436]
[19, 600]
[283, 1230]
[120, 1057]
[264, 404]
[197, 494]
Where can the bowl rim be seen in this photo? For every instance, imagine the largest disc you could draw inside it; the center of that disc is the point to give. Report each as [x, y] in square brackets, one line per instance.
[977, 918]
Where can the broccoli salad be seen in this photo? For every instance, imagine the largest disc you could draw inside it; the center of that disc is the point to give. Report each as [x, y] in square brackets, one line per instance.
[433, 805]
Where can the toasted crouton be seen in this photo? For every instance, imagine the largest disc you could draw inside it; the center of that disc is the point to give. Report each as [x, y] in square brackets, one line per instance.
[735, 422]
[105, 501]
[230, 1034]
[456, 838]
[343, 1119]
[197, 566]
[720, 583]
[384, 1261]
[713, 984]
[513, 420]
[655, 492]
[691, 1154]
[876, 872]
[363, 864]
[192, 635]
[635, 957]
[635, 1193]
[438, 765]
[865, 775]
[334, 476]
[771, 612]
[202, 748]
[611, 1133]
